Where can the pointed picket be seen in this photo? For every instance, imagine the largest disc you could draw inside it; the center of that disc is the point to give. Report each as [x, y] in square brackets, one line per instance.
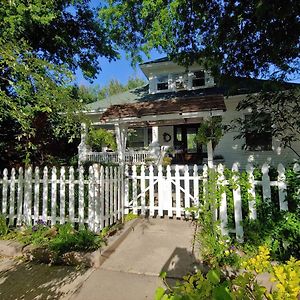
[53, 195]
[169, 198]
[223, 202]
[62, 188]
[20, 197]
[81, 196]
[12, 196]
[102, 198]
[161, 195]
[45, 195]
[237, 200]
[196, 186]
[266, 182]
[177, 192]
[251, 192]
[28, 196]
[4, 192]
[36, 205]
[134, 189]
[151, 190]
[282, 188]
[91, 199]
[71, 196]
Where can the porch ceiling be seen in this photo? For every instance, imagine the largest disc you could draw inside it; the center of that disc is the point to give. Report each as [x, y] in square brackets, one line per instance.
[165, 110]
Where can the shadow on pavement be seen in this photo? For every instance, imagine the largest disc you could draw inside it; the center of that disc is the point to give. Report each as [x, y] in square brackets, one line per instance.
[37, 281]
[180, 263]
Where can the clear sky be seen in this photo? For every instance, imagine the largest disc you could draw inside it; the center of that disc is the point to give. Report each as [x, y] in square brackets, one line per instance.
[120, 69]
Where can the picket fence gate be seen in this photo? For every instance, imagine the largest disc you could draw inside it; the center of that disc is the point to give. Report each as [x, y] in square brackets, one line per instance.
[155, 191]
[101, 196]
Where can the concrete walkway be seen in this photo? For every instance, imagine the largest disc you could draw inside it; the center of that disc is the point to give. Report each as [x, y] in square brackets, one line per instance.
[131, 272]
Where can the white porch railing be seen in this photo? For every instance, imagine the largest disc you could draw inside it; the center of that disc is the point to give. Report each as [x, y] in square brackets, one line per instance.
[131, 156]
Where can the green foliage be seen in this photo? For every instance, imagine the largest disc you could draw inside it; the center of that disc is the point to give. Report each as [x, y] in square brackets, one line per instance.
[89, 94]
[210, 130]
[280, 108]
[218, 34]
[98, 138]
[217, 284]
[130, 216]
[3, 226]
[59, 238]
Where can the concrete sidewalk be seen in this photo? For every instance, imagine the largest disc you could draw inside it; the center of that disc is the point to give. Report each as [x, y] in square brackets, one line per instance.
[131, 272]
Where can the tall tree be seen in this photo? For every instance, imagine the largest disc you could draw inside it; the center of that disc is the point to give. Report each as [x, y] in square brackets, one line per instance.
[41, 43]
[238, 37]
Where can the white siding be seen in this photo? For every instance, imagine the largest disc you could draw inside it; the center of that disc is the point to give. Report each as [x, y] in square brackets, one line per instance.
[232, 149]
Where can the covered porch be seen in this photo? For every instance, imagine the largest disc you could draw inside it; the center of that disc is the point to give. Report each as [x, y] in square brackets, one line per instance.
[146, 132]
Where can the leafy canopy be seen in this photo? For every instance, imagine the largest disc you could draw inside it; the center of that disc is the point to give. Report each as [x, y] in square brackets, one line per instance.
[237, 37]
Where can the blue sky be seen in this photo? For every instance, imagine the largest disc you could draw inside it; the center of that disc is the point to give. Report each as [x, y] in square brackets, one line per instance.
[120, 69]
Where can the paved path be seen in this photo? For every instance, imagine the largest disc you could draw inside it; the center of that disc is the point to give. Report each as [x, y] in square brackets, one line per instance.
[131, 272]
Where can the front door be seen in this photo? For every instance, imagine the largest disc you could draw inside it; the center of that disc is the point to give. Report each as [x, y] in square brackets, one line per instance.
[187, 150]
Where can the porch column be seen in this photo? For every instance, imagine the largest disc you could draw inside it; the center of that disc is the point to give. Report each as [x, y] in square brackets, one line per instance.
[83, 148]
[209, 146]
[155, 134]
[121, 137]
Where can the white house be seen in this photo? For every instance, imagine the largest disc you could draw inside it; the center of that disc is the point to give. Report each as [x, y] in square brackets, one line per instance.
[166, 113]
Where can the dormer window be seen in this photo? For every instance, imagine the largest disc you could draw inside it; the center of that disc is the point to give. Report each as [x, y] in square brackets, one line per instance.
[180, 81]
[198, 79]
[162, 83]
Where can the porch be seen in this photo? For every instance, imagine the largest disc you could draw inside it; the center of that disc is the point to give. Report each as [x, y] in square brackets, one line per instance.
[149, 131]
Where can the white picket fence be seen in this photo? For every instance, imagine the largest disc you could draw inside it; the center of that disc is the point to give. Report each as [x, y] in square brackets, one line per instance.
[59, 195]
[101, 196]
[155, 191]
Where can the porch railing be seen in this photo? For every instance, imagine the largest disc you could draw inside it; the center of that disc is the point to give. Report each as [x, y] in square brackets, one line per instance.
[131, 156]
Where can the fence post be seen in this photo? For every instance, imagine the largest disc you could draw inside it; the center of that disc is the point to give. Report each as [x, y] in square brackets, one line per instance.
[28, 195]
[223, 204]
[151, 190]
[160, 191]
[53, 195]
[237, 199]
[111, 195]
[177, 192]
[134, 189]
[12, 196]
[143, 187]
[81, 196]
[20, 197]
[125, 190]
[106, 196]
[251, 192]
[186, 189]
[266, 183]
[91, 199]
[102, 194]
[71, 195]
[196, 186]
[62, 186]
[45, 195]
[96, 188]
[282, 187]
[36, 209]
[169, 198]
[4, 192]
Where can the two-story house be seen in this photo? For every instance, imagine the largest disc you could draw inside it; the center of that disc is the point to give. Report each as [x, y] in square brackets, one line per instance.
[166, 113]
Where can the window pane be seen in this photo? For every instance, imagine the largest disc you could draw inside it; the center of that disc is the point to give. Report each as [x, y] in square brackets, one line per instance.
[191, 143]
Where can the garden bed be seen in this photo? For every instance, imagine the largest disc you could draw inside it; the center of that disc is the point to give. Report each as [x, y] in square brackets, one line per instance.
[62, 244]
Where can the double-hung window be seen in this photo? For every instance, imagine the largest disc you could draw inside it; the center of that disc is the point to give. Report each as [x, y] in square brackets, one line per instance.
[258, 133]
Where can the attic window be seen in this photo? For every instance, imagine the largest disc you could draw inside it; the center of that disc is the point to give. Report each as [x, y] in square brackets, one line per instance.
[162, 83]
[179, 80]
[199, 79]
